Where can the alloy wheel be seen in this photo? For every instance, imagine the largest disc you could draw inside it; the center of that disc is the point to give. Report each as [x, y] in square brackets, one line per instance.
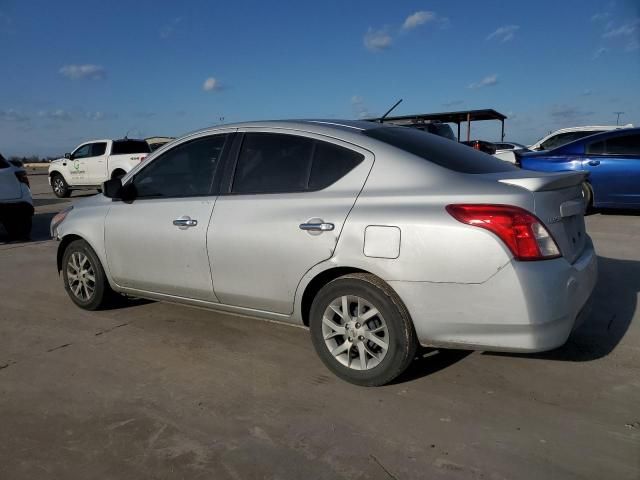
[81, 276]
[58, 186]
[355, 332]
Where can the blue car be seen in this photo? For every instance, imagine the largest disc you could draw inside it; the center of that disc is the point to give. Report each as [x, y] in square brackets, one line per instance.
[612, 160]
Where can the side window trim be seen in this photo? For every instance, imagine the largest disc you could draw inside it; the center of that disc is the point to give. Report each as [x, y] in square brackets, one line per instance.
[217, 175]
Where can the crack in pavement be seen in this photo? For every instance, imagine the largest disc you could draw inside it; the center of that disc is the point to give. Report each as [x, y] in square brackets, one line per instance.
[107, 330]
[58, 347]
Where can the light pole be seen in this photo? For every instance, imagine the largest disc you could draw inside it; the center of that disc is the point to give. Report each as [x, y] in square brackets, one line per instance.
[618, 118]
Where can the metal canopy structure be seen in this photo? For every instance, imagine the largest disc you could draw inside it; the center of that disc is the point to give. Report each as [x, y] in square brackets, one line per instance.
[463, 116]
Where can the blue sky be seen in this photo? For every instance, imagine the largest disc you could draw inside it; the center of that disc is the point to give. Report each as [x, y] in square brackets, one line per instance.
[77, 70]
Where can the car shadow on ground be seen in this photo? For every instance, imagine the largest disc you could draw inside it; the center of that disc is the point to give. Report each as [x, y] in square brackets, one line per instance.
[429, 361]
[615, 211]
[39, 230]
[615, 299]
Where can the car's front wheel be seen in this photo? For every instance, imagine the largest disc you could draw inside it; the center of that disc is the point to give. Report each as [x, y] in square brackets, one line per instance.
[84, 277]
[60, 186]
[361, 330]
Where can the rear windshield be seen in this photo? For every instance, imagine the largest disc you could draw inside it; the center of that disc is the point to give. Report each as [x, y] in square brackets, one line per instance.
[447, 154]
[3, 162]
[125, 147]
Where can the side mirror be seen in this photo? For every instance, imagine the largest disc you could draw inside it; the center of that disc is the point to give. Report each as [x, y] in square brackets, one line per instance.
[112, 188]
[67, 156]
[128, 192]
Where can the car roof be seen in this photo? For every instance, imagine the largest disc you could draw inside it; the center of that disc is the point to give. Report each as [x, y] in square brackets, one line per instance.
[328, 127]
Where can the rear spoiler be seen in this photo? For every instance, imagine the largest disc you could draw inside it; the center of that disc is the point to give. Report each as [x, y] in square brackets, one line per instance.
[542, 181]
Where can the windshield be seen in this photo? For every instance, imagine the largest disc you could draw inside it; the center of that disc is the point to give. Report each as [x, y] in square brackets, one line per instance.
[447, 154]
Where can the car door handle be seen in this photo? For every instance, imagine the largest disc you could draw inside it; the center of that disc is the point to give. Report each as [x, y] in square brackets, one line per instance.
[317, 227]
[185, 222]
[594, 163]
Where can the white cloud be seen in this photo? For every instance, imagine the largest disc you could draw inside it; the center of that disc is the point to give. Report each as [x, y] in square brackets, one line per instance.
[58, 114]
[488, 81]
[569, 113]
[210, 84]
[12, 115]
[625, 30]
[452, 103]
[170, 28]
[377, 40]
[600, 16]
[360, 110]
[419, 18]
[599, 52]
[77, 72]
[504, 33]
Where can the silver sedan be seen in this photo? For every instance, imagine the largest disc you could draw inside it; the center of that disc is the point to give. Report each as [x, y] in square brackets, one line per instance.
[378, 238]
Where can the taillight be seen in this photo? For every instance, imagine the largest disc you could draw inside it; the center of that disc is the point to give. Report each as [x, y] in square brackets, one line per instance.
[22, 178]
[522, 232]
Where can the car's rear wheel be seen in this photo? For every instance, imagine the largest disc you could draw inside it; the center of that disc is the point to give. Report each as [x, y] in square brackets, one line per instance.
[84, 277]
[361, 330]
[60, 186]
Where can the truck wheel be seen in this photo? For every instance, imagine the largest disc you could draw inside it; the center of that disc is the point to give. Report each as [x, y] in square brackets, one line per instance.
[60, 186]
[18, 228]
[118, 174]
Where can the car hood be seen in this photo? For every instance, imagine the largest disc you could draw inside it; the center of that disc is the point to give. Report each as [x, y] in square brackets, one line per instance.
[93, 201]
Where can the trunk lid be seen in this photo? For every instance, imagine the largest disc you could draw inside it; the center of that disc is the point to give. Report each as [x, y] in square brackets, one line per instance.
[558, 202]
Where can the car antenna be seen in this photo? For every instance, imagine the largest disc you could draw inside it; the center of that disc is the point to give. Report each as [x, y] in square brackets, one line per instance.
[381, 119]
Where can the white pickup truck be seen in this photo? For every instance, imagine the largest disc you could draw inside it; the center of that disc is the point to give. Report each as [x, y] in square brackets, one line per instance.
[95, 162]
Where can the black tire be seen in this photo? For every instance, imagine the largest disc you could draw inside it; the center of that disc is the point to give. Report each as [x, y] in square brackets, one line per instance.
[118, 174]
[59, 186]
[402, 342]
[102, 294]
[18, 228]
[587, 195]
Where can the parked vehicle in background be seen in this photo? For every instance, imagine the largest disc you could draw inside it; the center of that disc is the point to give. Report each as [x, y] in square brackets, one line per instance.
[373, 232]
[157, 142]
[482, 145]
[16, 205]
[509, 151]
[95, 162]
[437, 128]
[612, 160]
[567, 135]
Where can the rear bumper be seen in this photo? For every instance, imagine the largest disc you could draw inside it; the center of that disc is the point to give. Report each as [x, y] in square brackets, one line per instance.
[524, 307]
[15, 210]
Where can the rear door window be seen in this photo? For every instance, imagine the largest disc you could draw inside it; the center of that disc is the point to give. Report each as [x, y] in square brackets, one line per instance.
[451, 155]
[273, 163]
[624, 145]
[621, 145]
[281, 163]
[331, 163]
[127, 147]
[98, 149]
